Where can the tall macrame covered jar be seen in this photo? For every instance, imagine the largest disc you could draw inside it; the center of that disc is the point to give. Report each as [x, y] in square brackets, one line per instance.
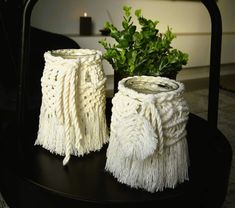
[72, 117]
[148, 147]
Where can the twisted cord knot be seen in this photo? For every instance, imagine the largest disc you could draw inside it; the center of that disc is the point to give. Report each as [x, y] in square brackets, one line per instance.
[149, 100]
[152, 114]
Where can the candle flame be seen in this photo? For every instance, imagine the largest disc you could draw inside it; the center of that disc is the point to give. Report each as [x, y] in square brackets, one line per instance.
[85, 14]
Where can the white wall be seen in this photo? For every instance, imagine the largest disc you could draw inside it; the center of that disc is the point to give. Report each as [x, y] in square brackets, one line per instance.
[189, 20]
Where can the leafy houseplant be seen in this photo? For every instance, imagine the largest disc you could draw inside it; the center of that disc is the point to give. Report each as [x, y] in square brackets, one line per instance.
[144, 52]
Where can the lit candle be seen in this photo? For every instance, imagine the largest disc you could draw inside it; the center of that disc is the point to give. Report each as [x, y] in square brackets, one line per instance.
[85, 25]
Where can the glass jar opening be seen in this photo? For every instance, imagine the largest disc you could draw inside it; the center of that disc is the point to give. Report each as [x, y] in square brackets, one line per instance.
[72, 53]
[150, 86]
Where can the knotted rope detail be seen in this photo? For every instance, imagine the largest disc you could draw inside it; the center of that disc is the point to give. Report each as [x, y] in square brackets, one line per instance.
[148, 126]
[73, 103]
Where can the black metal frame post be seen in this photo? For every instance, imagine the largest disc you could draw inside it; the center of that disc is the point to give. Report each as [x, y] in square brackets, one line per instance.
[215, 59]
[22, 99]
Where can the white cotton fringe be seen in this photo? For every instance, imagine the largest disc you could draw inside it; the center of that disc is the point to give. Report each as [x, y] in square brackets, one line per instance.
[72, 117]
[148, 147]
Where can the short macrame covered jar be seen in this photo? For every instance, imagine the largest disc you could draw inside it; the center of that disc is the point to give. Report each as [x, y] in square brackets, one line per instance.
[72, 117]
[148, 147]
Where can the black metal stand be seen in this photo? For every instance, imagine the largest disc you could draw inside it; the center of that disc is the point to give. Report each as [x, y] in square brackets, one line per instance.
[35, 178]
[22, 99]
[215, 58]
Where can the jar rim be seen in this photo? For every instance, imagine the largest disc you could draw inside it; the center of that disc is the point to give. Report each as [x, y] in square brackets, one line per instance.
[147, 85]
[72, 53]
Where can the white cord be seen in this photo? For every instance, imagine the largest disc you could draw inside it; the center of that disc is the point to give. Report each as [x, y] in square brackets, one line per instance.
[148, 147]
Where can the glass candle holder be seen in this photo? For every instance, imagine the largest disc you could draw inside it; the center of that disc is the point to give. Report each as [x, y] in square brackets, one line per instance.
[72, 117]
[148, 147]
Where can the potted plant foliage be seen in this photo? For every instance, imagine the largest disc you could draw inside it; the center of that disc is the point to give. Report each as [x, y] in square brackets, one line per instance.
[144, 52]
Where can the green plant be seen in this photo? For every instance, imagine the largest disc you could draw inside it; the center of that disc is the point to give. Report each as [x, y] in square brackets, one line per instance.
[144, 52]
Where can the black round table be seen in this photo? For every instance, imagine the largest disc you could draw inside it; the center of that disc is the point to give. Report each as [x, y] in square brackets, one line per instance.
[32, 177]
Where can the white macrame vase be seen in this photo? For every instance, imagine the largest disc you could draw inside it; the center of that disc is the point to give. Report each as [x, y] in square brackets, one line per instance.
[148, 147]
[72, 117]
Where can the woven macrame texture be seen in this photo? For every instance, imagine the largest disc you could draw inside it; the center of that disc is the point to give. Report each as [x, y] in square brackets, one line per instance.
[148, 147]
[72, 117]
